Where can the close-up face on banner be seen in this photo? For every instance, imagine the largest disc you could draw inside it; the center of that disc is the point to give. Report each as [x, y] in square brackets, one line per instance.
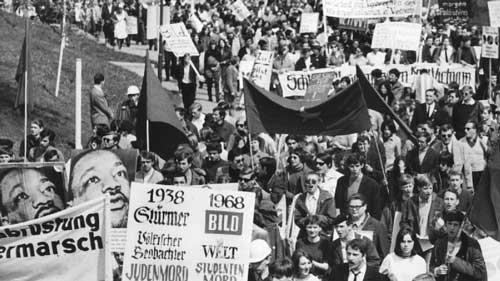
[97, 172]
[31, 191]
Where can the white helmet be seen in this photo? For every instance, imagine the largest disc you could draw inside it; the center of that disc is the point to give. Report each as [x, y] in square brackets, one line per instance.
[133, 90]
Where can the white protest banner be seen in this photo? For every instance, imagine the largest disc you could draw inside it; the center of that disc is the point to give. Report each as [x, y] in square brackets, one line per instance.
[397, 35]
[67, 245]
[370, 8]
[240, 10]
[491, 253]
[177, 39]
[494, 12]
[295, 83]
[131, 25]
[490, 42]
[262, 69]
[188, 234]
[309, 23]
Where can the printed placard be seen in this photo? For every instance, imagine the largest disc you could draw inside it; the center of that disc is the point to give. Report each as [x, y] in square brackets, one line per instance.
[192, 234]
[319, 86]
[397, 35]
[490, 42]
[262, 69]
[309, 22]
[67, 245]
[178, 40]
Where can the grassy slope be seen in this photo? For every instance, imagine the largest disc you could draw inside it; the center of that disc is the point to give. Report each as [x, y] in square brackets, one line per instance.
[57, 113]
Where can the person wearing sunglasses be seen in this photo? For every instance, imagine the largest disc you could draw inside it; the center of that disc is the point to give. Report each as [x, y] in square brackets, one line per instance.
[327, 171]
[110, 140]
[314, 201]
[449, 143]
[475, 152]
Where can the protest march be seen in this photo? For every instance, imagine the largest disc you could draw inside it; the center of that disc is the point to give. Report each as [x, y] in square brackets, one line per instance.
[244, 140]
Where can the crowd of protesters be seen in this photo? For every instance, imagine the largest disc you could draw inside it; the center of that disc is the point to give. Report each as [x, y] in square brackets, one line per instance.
[346, 193]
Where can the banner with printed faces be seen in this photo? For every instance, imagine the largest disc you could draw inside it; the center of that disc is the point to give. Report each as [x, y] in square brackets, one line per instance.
[188, 234]
[67, 245]
[31, 190]
[94, 173]
[490, 42]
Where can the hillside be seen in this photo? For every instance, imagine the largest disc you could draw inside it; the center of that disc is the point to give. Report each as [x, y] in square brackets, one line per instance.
[57, 113]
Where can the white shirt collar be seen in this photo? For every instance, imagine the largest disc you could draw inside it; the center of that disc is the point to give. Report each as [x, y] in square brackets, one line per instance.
[315, 195]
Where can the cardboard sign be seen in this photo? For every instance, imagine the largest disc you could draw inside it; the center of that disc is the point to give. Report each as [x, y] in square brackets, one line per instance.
[319, 86]
[494, 12]
[131, 25]
[196, 23]
[491, 254]
[192, 234]
[68, 245]
[309, 23]
[262, 69]
[152, 20]
[397, 35]
[245, 70]
[490, 42]
[178, 39]
[370, 8]
[240, 10]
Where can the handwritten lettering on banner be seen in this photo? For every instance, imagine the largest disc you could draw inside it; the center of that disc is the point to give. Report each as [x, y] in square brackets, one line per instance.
[452, 9]
[296, 83]
[188, 234]
[397, 35]
[262, 69]
[370, 8]
[309, 22]
[490, 42]
[178, 39]
[240, 10]
[67, 245]
[494, 12]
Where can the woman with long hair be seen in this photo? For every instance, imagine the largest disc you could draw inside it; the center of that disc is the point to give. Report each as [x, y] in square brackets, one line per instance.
[302, 266]
[404, 263]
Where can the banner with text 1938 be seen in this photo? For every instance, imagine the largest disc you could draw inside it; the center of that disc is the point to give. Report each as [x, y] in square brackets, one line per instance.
[68, 245]
[370, 8]
[188, 234]
[262, 69]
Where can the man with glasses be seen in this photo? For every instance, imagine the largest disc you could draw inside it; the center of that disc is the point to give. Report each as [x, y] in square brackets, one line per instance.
[314, 201]
[239, 138]
[475, 152]
[356, 182]
[327, 172]
[366, 225]
[450, 144]
[110, 140]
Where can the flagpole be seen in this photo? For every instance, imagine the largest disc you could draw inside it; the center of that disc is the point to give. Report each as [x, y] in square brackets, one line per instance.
[26, 53]
[147, 134]
[382, 168]
[160, 47]
[61, 50]
[251, 153]
[78, 104]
